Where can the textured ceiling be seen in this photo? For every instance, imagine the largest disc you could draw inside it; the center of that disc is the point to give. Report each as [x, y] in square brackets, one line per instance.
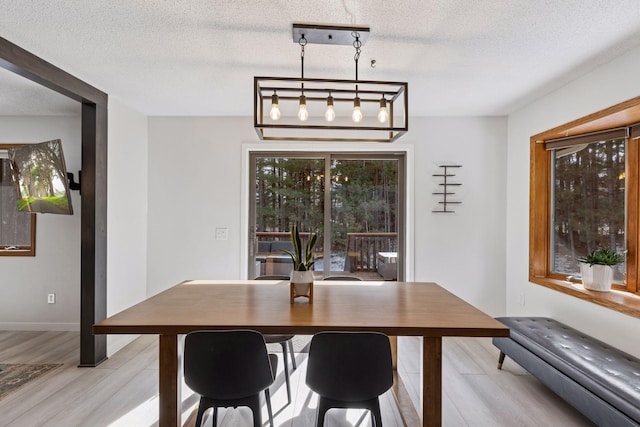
[197, 57]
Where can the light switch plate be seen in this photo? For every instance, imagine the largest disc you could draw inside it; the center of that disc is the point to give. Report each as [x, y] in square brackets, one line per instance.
[222, 234]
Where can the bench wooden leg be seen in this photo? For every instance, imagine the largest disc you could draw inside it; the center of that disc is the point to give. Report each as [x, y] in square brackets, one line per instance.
[500, 360]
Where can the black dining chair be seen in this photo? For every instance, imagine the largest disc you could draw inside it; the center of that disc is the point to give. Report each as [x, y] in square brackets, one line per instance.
[229, 369]
[349, 370]
[345, 278]
[284, 341]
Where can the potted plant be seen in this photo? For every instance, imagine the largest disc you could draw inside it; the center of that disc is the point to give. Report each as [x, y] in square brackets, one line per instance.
[302, 257]
[597, 269]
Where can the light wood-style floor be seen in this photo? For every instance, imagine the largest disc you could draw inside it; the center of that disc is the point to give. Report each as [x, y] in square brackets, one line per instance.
[123, 390]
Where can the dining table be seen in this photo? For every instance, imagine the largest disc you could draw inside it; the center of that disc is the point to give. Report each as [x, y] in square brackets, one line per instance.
[421, 309]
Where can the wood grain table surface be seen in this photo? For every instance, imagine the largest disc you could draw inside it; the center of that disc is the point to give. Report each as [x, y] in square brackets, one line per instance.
[393, 308]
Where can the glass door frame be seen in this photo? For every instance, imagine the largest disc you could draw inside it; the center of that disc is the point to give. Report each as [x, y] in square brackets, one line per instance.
[400, 156]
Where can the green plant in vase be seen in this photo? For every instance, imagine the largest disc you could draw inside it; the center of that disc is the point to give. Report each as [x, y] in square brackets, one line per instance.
[603, 256]
[302, 258]
[597, 269]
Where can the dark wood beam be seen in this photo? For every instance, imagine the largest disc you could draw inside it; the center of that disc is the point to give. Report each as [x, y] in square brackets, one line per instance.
[93, 258]
[93, 187]
[16, 59]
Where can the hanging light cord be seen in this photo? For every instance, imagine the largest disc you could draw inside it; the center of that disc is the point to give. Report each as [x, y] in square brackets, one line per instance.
[357, 44]
[302, 42]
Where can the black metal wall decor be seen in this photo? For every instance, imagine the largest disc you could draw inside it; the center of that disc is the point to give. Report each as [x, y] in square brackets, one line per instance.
[446, 190]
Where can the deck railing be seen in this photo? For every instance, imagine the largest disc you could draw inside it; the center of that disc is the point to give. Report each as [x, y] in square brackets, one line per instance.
[362, 249]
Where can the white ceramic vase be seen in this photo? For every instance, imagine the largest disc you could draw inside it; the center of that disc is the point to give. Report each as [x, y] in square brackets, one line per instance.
[302, 282]
[596, 277]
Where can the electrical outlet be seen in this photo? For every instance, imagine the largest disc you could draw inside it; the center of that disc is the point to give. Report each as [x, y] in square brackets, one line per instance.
[222, 234]
[51, 298]
[521, 298]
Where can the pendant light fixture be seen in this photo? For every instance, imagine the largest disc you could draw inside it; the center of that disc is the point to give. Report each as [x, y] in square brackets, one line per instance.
[303, 113]
[379, 110]
[356, 116]
[330, 114]
[383, 115]
[357, 111]
[275, 110]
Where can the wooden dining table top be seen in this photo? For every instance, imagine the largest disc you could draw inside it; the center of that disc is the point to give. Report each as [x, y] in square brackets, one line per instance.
[393, 308]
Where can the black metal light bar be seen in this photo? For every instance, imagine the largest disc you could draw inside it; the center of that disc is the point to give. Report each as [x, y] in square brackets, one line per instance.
[370, 92]
[277, 98]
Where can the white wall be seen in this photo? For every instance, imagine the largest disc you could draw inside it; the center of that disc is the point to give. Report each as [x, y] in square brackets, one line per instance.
[195, 185]
[463, 251]
[126, 212]
[608, 85]
[26, 281]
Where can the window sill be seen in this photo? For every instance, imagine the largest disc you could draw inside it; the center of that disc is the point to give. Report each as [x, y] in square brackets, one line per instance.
[622, 301]
[17, 252]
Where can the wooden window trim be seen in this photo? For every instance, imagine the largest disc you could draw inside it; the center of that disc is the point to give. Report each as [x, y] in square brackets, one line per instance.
[621, 298]
[31, 250]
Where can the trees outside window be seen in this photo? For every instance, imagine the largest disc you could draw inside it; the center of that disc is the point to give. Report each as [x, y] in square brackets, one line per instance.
[350, 200]
[588, 203]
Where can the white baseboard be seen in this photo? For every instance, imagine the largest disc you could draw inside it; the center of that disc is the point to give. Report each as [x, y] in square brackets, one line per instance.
[31, 326]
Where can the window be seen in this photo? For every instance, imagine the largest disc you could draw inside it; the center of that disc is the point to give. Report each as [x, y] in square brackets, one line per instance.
[17, 229]
[584, 193]
[353, 201]
[588, 203]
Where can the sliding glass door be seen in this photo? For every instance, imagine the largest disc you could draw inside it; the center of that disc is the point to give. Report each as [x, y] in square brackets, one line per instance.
[354, 202]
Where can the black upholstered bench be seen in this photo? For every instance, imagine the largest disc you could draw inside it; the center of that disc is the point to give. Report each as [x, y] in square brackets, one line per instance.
[598, 380]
